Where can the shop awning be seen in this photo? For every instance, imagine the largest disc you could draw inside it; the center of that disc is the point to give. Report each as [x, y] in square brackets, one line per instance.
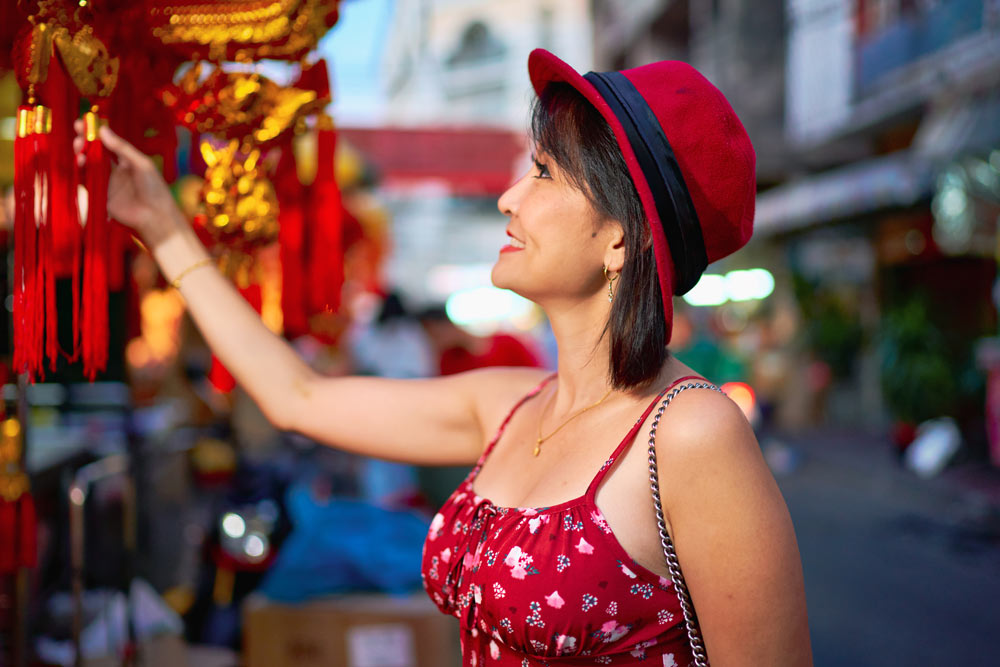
[968, 126]
[468, 161]
[897, 180]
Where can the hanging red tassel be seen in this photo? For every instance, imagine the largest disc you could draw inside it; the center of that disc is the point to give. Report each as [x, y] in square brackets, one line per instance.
[60, 94]
[46, 234]
[24, 226]
[96, 249]
[325, 260]
[39, 246]
[291, 236]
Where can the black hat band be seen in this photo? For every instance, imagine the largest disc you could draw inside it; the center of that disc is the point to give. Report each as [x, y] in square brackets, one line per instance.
[662, 173]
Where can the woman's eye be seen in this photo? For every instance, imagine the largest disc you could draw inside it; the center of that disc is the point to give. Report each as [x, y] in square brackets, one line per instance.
[543, 170]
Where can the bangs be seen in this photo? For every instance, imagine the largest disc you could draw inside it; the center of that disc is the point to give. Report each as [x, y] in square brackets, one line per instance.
[567, 128]
[556, 118]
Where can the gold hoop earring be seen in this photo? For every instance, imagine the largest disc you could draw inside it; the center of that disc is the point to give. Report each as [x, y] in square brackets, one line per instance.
[611, 281]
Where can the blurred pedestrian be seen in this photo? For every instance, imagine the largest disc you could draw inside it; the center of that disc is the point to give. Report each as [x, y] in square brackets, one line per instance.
[458, 350]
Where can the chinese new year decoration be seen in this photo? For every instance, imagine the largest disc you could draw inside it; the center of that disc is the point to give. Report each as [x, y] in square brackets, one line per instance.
[149, 67]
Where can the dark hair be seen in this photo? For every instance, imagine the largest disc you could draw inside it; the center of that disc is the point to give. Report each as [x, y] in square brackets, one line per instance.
[574, 134]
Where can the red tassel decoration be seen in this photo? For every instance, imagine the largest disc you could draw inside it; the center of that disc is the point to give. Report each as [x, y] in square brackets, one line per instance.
[46, 237]
[24, 233]
[37, 239]
[59, 93]
[325, 258]
[96, 249]
[291, 236]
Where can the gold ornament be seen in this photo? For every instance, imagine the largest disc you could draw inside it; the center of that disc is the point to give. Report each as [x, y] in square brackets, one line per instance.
[13, 482]
[268, 28]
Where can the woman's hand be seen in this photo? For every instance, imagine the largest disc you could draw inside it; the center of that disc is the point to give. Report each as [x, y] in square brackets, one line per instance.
[137, 194]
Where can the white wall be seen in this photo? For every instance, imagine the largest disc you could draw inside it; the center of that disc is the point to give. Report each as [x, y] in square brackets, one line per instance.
[819, 67]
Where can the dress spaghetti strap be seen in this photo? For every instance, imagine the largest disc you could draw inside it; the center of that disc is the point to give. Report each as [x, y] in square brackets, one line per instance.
[496, 438]
[630, 436]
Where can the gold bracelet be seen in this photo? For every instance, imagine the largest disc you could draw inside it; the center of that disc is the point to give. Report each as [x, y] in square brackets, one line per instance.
[176, 282]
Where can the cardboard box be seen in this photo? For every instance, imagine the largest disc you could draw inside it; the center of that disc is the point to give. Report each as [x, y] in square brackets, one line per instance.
[349, 631]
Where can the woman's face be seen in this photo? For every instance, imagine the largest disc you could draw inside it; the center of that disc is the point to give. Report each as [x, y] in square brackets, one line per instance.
[558, 244]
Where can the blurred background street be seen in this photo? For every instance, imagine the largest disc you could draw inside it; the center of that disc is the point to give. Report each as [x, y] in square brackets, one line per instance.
[899, 571]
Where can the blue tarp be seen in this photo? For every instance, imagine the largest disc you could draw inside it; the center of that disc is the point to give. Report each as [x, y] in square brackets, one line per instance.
[340, 546]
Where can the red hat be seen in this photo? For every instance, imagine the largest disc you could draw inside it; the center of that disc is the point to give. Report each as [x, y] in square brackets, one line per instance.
[687, 153]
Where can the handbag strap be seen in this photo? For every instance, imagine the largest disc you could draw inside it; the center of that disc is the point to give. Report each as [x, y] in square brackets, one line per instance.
[673, 565]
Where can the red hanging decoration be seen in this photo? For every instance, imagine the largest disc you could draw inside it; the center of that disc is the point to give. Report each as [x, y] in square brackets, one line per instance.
[24, 235]
[324, 255]
[291, 236]
[97, 244]
[57, 66]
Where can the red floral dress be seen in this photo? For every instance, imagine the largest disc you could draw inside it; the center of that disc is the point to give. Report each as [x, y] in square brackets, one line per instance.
[549, 585]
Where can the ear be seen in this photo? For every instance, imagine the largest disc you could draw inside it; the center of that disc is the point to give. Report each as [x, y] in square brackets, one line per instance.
[614, 250]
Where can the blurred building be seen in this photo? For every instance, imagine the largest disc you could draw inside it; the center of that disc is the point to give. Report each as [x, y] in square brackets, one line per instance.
[877, 129]
[465, 63]
[893, 109]
[450, 135]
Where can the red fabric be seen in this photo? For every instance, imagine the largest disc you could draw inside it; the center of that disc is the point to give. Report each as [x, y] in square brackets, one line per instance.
[503, 350]
[324, 250]
[712, 148]
[291, 236]
[530, 584]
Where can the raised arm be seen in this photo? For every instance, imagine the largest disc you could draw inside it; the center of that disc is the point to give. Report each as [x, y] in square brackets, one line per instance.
[421, 421]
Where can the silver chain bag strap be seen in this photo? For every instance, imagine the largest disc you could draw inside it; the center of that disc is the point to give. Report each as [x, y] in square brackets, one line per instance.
[690, 619]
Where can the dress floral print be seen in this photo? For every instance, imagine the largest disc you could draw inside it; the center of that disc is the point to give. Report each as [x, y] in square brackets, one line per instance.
[548, 586]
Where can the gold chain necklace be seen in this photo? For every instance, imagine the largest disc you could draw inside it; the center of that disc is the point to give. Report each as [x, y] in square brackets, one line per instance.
[541, 438]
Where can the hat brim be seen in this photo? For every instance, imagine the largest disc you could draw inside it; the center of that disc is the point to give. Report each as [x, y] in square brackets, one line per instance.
[545, 68]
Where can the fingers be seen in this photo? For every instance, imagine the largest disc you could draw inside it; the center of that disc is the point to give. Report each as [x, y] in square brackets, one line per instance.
[125, 151]
[79, 143]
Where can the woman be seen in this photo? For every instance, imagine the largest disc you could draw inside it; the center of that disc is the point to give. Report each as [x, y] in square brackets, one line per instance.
[550, 549]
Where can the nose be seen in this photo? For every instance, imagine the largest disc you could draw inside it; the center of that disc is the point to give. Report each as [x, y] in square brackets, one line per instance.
[507, 203]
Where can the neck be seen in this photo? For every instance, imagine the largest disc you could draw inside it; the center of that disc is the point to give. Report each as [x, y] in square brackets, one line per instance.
[583, 352]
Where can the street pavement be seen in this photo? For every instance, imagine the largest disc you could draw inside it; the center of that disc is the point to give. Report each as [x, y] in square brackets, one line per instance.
[899, 570]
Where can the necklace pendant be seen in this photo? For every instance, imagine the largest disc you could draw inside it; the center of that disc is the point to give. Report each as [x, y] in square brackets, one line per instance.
[538, 448]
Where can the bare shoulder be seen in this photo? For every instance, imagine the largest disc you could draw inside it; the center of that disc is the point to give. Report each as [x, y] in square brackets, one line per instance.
[707, 452]
[703, 423]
